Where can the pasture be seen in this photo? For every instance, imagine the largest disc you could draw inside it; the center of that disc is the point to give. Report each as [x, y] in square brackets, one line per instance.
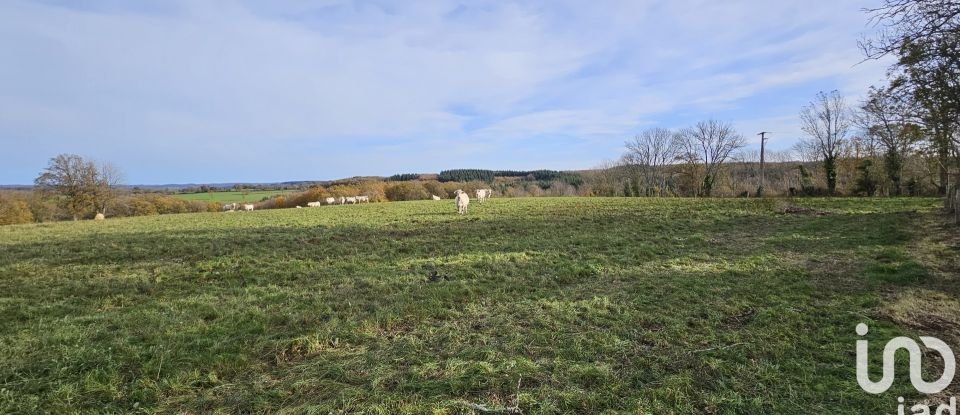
[251, 196]
[558, 305]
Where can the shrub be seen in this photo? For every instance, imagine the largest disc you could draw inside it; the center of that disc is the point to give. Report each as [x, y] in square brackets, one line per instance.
[373, 189]
[313, 194]
[197, 206]
[865, 184]
[169, 204]
[14, 211]
[141, 206]
[343, 190]
[42, 208]
[435, 188]
[405, 191]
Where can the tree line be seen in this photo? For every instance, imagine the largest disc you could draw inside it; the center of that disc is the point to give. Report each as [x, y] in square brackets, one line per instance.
[901, 138]
[466, 175]
[918, 106]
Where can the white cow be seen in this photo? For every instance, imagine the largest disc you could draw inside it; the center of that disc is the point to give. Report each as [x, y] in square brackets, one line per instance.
[363, 199]
[330, 200]
[248, 207]
[230, 207]
[435, 197]
[462, 201]
[314, 204]
[484, 194]
[352, 200]
[299, 207]
[342, 200]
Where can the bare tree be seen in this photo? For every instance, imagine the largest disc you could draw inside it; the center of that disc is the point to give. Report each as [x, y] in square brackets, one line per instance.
[649, 153]
[826, 121]
[805, 151]
[920, 22]
[781, 156]
[109, 180]
[605, 178]
[710, 143]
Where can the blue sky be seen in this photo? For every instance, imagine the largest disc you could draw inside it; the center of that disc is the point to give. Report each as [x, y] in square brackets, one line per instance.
[222, 91]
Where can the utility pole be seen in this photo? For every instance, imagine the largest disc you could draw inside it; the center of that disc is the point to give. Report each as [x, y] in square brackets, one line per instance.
[763, 148]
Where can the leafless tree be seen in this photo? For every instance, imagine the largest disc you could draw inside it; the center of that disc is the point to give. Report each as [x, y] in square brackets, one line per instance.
[920, 22]
[109, 180]
[806, 152]
[710, 143]
[605, 178]
[648, 154]
[781, 156]
[826, 122]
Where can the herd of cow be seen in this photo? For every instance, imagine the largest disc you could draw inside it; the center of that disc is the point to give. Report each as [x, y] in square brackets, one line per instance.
[340, 201]
[461, 198]
[233, 207]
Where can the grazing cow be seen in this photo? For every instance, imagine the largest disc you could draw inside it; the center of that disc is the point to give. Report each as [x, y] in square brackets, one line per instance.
[462, 201]
[435, 197]
[330, 200]
[230, 207]
[484, 194]
[352, 200]
[342, 200]
[363, 199]
[299, 207]
[314, 204]
[248, 207]
[99, 216]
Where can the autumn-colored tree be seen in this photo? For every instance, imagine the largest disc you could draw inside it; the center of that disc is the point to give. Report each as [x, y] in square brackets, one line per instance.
[74, 181]
[14, 211]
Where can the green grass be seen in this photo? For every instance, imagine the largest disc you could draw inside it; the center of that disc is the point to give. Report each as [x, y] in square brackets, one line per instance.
[671, 306]
[231, 197]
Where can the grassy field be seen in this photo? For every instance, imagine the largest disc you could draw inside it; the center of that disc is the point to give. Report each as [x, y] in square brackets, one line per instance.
[559, 305]
[231, 197]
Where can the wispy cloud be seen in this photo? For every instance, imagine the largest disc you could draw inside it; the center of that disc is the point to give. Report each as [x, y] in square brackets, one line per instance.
[248, 90]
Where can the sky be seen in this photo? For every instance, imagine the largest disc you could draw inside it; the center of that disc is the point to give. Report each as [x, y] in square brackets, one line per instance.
[262, 91]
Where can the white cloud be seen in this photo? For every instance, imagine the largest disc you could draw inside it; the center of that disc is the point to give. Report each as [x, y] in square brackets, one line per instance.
[246, 78]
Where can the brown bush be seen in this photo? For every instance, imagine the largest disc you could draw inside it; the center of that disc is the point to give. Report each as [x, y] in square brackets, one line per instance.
[374, 190]
[436, 188]
[14, 211]
[313, 194]
[168, 204]
[44, 209]
[400, 191]
[197, 206]
[343, 190]
[141, 206]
